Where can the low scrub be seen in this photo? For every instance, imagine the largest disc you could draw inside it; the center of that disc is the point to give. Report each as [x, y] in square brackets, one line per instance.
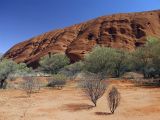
[57, 81]
[8, 68]
[31, 85]
[147, 82]
[72, 70]
[52, 63]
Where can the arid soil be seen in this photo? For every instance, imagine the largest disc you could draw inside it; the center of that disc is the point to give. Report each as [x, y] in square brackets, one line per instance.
[70, 103]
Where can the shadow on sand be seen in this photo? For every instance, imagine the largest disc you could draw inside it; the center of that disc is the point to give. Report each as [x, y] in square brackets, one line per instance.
[103, 113]
[77, 107]
[21, 96]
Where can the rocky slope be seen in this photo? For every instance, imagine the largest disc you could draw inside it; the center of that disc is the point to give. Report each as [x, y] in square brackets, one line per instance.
[126, 31]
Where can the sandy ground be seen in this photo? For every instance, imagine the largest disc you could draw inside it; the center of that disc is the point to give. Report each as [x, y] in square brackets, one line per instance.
[70, 103]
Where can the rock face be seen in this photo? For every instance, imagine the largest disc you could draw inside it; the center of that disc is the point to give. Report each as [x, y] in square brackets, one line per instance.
[126, 31]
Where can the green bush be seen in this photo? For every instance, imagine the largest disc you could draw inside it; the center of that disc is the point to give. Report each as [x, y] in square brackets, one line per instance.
[156, 58]
[9, 67]
[104, 60]
[100, 61]
[146, 59]
[121, 62]
[53, 63]
[6, 67]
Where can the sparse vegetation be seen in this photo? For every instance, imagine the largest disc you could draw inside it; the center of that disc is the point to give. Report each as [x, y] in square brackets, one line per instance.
[98, 64]
[93, 87]
[58, 80]
[53, 63]
[73, 69]
[31, 85]
[113, 99]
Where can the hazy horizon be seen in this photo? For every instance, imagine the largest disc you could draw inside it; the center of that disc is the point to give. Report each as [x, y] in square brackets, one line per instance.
[21, 20]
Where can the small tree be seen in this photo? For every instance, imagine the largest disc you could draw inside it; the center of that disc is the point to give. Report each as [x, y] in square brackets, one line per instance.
[31, 85]
[113, 99]
[53, 63]
[145, 59]
[100, 61]
[120, 62]
[94, 88]
[156, 58]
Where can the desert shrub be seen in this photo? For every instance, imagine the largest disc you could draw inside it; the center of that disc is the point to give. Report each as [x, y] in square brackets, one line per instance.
[100, 61]
[121, 62]
[146, 59]
[156, 58]
[31, 85]
[107, 61]
[1, 55]
[113, 99]
[22, 69]
[132, 76]
[53, 63]
[58, 80]
[93, 88]
[104, 60]
[142, 61]
[8, 67]
[73, 69]
[147, 82]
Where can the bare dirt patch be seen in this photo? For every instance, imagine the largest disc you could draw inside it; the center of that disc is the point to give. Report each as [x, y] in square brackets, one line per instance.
[71, 104]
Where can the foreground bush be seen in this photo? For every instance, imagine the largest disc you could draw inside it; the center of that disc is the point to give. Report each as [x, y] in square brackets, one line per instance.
[113, 99]
[6, 67]
[9, 67]
[93, 87]
[53, 63]
[58, 80]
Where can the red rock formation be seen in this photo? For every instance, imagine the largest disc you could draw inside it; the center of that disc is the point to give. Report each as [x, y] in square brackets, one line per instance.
[126, 31]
